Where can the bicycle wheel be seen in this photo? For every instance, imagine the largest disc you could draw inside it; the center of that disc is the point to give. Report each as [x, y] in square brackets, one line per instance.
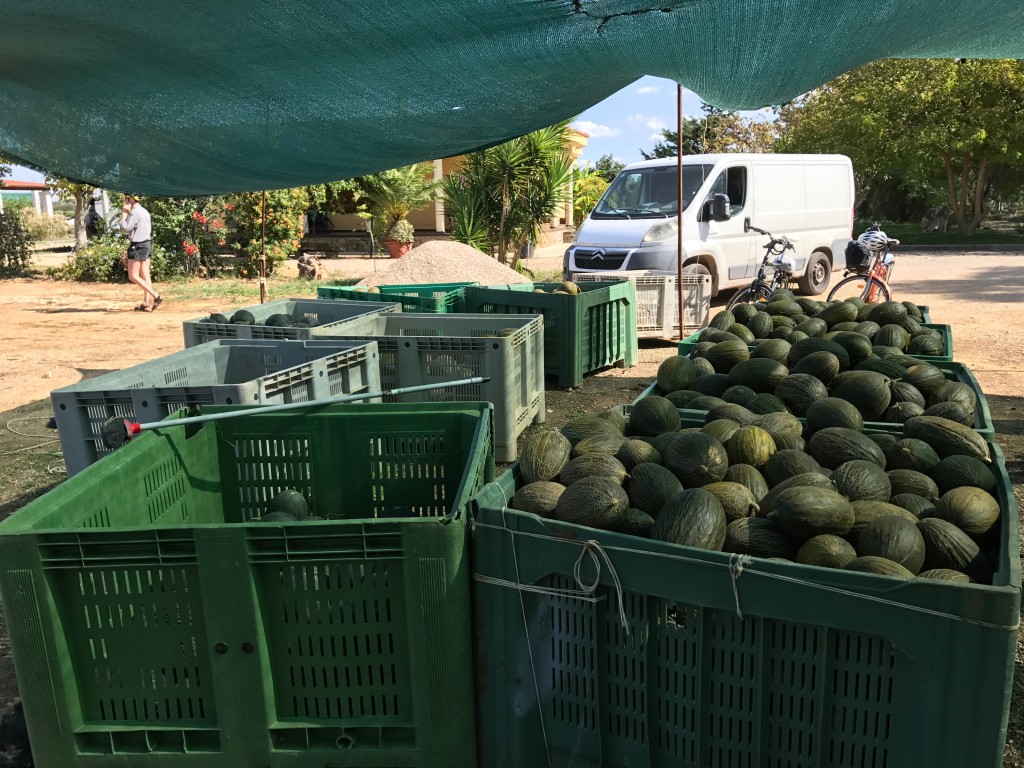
[759, 292]
[869, 289]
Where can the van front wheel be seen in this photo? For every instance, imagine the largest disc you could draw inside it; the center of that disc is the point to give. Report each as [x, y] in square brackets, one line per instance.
[815, 279]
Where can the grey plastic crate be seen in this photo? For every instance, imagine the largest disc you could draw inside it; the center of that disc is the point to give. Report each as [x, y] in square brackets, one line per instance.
[657, 300]
[327, 311]
[424, 348]
[226, 372]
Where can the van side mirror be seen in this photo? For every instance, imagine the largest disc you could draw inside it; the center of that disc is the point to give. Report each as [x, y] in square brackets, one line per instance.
[720, 208]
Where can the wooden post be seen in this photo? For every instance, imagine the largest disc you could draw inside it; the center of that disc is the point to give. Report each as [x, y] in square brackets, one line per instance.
[679, 220]
[263, 253]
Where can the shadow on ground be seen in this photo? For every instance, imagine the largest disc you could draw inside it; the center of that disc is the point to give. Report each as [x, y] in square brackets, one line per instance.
[993, 284]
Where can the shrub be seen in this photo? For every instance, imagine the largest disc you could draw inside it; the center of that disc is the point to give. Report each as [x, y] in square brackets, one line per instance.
[15, 245]
[402, 231]
[100, 262]
[286, 214]
[46, 227]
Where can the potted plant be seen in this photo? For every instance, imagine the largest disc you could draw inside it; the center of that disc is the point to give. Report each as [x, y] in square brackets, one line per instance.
[400, 238]
[390, 196]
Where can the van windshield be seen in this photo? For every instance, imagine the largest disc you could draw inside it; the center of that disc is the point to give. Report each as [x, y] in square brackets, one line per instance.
[650, 192]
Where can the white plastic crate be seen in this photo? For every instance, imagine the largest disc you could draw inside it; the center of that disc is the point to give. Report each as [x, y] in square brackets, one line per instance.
[657, 313]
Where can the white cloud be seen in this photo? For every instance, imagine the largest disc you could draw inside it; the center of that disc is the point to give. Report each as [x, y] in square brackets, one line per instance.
[656, 124]
[596, 130]
[655, 137]
[648, 89]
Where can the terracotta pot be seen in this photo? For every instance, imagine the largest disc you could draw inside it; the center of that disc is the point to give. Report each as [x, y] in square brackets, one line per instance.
[397, 249]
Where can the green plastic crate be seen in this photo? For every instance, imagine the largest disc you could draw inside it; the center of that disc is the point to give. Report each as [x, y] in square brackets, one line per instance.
[428, 297]
[152, 624]
[686, 345]
[954, 372]
[582, 333]
[423, 348]
[775, 664]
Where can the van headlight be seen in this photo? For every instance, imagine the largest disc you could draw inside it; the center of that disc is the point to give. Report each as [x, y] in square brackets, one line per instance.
[662, 231]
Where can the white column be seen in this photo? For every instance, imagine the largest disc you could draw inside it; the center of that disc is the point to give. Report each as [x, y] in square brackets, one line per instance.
[48, 201]
[36, 204]
[438, 201]
[1, 202]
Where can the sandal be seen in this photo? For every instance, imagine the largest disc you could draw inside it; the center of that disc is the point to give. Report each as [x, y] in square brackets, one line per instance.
[157, 302]
[142, 308]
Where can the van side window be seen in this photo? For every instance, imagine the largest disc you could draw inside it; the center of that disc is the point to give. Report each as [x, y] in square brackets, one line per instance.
[732, 182]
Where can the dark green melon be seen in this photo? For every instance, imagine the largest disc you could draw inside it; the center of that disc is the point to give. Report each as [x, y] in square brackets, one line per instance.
[278, 517]
[785, 442]
[713, 384]
[857, 346]
[750, 478]
[863, 310]
[750, 445]
[739, 395]
[919, 505]
[956, 471]
[866, 511]
[661, 442]
[290, 502]
[879, 566]
[782, 332]
[892, 336]
[724, 355]
[815, 326]
[888, 312]
[616, 417]
[832, 412]
[586, 426]
[651, 486]
[681, 398]
[773, 349]
[758, 537]
[742, 332]
[779, 423]
[760, 374]
[811, 307]
[880, 365]
[824, 366]
[652, 416]
[837, 445]
[278, 320]
[887, 352]
[957, 412]
[900, 412]
[243, 317]
[867, 328]
[735, 498]
[894, 538]
[759, 323]
[783, 306]
[869, 392]
[883, 440]
[849, 326]
[945, 574]
[721, 429]
[826, 551]
[912, 481]
[948, 438]
[925, 378]
[804, 480]
[722, 320]
[838, 312]
[905, 392]
[860, 480]
[788, 463]
[592, 465]
[633, 452]
[699, 349]
[545, 452]
[799, 390]
[954, 392]
[733, 412]
[946, 546]
[766, 403]
[636, 523]
[705, 403]
[910, 453]
[913, 310]
[805, 347]
[804, 512]
[596, 502]
[692, 518]
[972, 510]
[217, 317]
[782, 320]
[932, 346]
[539, 498]
[702, 366]
[912, 326]
[676, 372]
[743, 312]
[716, 336]
[696, 459]
[607, 445]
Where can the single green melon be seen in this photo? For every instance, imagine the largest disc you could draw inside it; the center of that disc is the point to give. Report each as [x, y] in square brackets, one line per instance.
[827, 551]
[596, 502]
[539, 498]
[545, 452]
[650, 487]
[290, 502]
[692, 518]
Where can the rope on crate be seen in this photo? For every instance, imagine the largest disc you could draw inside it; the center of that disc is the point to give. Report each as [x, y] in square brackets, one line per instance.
[738, 568]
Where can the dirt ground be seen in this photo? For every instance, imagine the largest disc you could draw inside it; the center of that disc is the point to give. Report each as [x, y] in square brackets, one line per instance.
[55, 334]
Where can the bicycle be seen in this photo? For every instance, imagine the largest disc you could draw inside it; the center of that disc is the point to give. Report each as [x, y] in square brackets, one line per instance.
[781, 265]
[869, 264]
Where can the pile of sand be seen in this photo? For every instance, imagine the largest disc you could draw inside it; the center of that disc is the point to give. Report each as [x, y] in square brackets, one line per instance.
[445, 261]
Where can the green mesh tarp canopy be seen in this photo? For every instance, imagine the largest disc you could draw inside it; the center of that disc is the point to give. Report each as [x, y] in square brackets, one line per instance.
[189, 97]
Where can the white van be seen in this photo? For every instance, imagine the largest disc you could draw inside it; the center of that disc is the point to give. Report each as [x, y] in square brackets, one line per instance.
[807, 198]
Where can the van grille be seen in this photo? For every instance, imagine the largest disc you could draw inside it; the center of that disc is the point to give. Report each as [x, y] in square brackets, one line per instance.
[599, 258]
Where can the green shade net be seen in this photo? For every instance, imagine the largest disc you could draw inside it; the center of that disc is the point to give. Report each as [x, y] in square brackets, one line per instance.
[188, 97]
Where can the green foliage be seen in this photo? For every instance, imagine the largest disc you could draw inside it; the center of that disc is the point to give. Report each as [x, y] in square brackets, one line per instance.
[15, 203]
[928, 124]
[607, 167]
[510, 190]
[191, 231]
[717, 131]
[587, 190]
[15, 245]
[392, 195]
[286, 212]
[42, 227]
[402, 231]
[334, 197]
[100, 262]
[80, 193]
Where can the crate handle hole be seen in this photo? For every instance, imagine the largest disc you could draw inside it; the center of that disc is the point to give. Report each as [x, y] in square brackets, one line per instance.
[145, 404]
[345, 742]
[63, 407]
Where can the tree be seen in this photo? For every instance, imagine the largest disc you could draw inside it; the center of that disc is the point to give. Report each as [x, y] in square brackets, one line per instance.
[505, 193]
[390, 196]
[588, 186]
[934, 123]
[80, 193]
[717, 131]
[607, 167]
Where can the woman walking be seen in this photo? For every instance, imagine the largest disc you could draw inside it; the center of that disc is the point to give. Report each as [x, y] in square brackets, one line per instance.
[137, 225]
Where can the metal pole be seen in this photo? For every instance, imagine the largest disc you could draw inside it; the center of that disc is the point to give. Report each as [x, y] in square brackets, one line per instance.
[679, 220]
[263, 253]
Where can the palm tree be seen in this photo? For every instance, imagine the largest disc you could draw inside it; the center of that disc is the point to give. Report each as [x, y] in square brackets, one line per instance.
[390, 196]
[505, 193]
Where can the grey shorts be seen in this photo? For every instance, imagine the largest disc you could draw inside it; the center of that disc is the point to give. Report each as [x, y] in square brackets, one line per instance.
[140, 251]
